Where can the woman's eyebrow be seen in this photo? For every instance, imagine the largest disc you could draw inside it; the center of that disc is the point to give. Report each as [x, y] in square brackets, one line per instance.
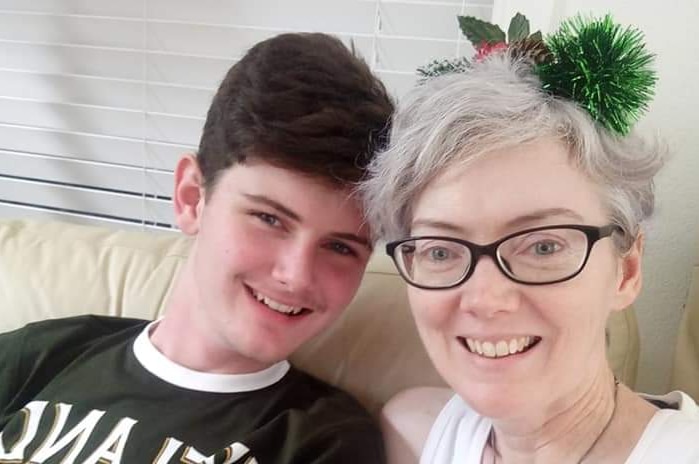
[437, 224]
[515, 223]
[542, 214]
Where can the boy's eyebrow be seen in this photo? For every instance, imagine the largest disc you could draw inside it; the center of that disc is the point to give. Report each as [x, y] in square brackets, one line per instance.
[363, 241]
[273, 204]
[360, 240]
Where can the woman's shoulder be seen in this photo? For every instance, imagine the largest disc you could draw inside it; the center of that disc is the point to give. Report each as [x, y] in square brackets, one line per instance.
[407, 418]
[458, 435]
[432, 425]
[672, 431]
[675, 400]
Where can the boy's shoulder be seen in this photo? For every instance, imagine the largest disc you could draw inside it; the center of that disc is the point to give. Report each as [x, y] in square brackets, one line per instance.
[71, 334]
[103, 324]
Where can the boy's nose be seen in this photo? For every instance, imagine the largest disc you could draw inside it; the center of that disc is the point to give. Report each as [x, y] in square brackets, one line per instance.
[294, 267]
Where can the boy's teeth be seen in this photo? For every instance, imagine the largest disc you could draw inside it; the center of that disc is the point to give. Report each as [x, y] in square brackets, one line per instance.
[499, 349]
[275, 305]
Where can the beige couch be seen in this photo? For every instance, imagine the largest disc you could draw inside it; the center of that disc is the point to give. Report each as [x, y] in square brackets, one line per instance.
[50, 270]
[685, 373]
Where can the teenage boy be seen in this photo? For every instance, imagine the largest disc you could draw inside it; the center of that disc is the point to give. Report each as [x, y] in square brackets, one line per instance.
[279, 248]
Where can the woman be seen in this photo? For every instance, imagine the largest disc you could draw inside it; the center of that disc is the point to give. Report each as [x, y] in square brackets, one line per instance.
[515, 219]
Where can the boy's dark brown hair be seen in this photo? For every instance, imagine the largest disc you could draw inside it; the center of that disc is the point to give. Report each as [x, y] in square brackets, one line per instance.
[299, 101]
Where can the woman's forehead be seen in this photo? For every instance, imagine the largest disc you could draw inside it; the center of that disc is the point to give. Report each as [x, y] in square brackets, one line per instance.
[523, 184]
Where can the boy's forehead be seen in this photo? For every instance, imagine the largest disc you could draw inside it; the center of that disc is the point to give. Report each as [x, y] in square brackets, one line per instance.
[254, 170]
[265, 182]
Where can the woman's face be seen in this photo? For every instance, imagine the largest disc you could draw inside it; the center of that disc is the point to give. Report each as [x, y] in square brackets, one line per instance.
[499, 194]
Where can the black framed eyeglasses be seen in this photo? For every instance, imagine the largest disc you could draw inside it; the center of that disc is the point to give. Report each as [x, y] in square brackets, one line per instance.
[538, 256]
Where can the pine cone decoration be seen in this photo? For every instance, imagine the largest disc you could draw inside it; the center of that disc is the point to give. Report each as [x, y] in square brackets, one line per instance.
[532, 48]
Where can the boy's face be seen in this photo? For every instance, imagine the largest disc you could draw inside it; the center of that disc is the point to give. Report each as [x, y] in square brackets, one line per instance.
[276, 259]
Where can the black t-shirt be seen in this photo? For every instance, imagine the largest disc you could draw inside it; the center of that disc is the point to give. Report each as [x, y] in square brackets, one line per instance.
[94, 390]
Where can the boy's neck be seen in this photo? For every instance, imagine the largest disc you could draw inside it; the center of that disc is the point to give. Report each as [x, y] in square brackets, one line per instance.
[183, 337]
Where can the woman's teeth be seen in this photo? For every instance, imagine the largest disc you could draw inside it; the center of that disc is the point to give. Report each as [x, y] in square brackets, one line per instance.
[275, 305]
[500, 348]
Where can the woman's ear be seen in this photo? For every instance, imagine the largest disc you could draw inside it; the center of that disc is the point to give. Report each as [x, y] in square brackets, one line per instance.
[629, 274]
[189, 194]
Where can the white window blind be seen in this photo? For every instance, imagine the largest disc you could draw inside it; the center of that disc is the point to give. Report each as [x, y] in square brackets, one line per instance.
[98, 99]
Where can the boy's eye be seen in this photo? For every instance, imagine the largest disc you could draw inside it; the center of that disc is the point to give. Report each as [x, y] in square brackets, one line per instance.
[268, 219]
[341, 248]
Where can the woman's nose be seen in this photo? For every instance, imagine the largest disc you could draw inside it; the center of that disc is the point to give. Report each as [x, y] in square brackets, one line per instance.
[488, 291]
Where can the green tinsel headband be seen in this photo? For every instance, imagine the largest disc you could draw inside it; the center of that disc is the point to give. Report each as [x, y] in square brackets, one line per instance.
[596, 63]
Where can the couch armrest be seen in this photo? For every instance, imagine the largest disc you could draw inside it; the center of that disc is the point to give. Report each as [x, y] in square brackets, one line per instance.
[624, 345]
[685, 371]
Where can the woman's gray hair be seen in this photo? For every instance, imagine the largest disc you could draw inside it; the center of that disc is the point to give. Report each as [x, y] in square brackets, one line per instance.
[496, 104]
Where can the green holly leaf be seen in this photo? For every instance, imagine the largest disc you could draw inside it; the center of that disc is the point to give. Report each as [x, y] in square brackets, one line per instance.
[537, 36]
[477, 31]
[519, 28]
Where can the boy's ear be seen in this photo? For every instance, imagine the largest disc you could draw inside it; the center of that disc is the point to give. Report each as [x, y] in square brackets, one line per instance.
[630, 276]
[189, 194]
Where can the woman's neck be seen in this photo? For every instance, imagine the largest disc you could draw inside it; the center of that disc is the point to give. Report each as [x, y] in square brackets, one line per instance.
[567, 431]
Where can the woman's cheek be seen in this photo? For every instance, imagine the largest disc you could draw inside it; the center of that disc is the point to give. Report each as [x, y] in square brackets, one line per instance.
[429, 310]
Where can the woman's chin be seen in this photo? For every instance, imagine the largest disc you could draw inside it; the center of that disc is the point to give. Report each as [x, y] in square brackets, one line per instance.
[494, 409]
[497, 402]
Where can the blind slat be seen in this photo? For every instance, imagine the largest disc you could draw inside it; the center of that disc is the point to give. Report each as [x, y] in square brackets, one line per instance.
[101, 121]
[52, 88]
[36, 212]
[68, 117]
[87, 174]
[89, 147]
[338, 16]
[73, 30]
[114, 205]
[123, 8]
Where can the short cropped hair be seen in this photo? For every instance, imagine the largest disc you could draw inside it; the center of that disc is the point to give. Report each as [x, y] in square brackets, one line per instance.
[299, 101]
[496, 104]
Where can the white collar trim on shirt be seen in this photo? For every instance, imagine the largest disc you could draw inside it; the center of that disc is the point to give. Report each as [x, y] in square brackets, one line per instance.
[157, 364]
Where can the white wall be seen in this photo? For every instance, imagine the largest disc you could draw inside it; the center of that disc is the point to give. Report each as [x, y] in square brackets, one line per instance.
[673, 233]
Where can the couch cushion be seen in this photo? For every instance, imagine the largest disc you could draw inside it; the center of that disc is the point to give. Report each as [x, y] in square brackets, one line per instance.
[53, 269]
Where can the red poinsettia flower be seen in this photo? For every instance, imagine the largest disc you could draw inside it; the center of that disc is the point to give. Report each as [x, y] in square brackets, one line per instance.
[486, 48]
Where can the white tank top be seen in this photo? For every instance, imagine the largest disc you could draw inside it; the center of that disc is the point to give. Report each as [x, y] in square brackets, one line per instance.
[459, 434]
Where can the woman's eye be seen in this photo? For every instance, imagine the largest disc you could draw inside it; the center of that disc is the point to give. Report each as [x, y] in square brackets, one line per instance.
[439, 254]
[545, 248]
